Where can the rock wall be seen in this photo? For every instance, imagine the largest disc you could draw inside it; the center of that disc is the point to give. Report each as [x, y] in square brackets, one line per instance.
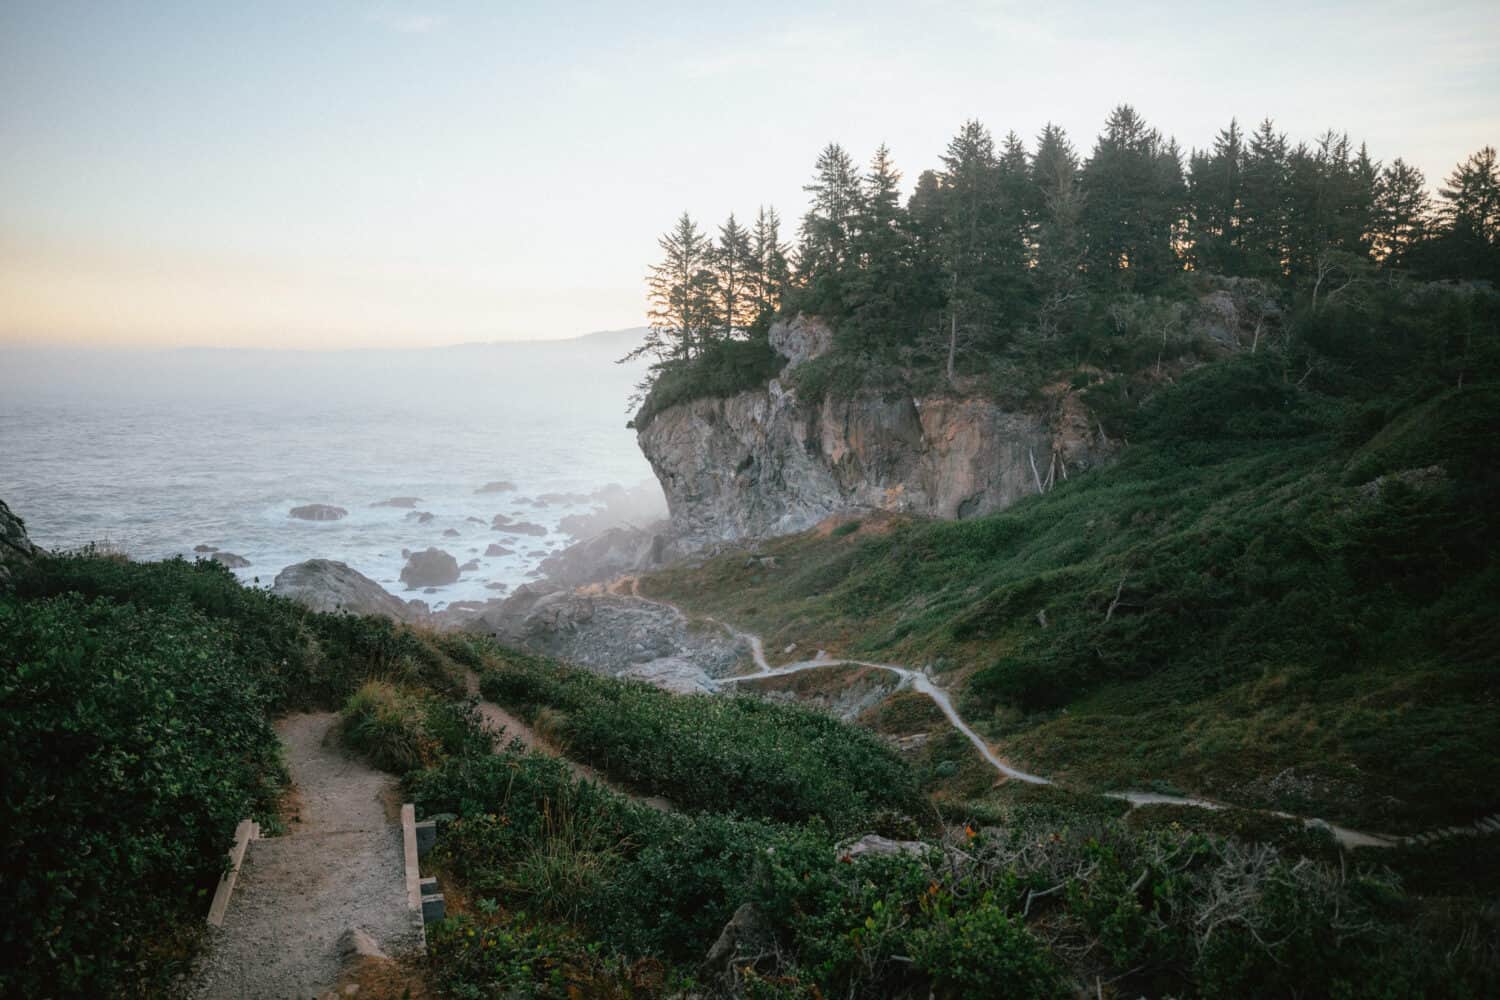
[763, 463]
[16, 547]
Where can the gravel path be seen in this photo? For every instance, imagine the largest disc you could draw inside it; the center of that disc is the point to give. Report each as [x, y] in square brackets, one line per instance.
[340, 867]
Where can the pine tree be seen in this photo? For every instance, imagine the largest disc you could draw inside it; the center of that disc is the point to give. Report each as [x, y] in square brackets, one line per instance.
[734, 265]
[772, 273]
[970, 198]
[828, 227]
[1264, 202]
[1470, 213]
[1403, 211]
[879, 260]
[1135, 192]
[1215, 192]
[1057, 234]
[681, 293]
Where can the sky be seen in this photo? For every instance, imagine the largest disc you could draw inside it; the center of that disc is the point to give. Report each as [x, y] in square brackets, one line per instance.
[319, 173]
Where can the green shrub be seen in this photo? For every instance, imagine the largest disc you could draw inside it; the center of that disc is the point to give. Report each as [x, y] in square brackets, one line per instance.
[724, 368]
[132, 741]
[722, 753]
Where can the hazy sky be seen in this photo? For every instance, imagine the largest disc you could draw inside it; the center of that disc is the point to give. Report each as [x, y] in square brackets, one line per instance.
[362, 173]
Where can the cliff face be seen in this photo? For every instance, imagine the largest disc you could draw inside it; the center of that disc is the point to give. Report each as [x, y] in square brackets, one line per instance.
[16, 548]
[763, 463]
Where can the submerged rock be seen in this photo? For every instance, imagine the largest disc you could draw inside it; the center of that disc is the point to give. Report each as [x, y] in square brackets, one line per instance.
[407, 502]
[327, 585]
[317, 512]
[429, 568]
[498, 486]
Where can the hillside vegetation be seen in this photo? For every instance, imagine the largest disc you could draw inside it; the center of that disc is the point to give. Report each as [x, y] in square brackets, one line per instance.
[1282, 594]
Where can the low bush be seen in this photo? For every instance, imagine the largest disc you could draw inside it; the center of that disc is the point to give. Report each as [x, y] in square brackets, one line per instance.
[132, 741]
[722, 753]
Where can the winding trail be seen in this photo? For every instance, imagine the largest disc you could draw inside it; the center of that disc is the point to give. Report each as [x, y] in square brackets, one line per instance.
[920, 681]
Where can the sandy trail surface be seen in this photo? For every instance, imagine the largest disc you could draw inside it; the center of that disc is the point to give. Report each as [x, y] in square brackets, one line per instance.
[339, 867]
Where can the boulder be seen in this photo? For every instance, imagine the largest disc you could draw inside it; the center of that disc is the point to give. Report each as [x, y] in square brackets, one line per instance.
[317, 512]
[875, 845]
[327, 585]
[498, 486]
[231, 560]
[429, 568]
[745, 934]
[16, 548]
[407, 502]
[800, 339]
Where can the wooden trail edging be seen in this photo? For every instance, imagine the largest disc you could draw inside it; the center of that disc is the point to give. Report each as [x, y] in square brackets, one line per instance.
[247, 831]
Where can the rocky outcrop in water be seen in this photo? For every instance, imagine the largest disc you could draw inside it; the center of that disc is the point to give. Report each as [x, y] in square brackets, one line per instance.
[326, 585]
[16, 548]
[613, 553]
[429, 568]
[231, 560]
[317, 512]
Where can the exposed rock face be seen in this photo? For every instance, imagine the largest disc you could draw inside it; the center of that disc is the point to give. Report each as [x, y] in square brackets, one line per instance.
[800, 339]
[317, 512]
[429, 568]
[613, 553]
[615, 634]
[326, 585]
[762, 463]
[16, 548]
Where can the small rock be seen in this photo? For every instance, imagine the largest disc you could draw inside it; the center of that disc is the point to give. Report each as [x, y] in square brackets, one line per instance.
[498, 486]
[204, 548]
[231, 560]
[420, 516]
[878, 846]
[450, 532]
[522, 528]
[469, 566]
[498, 550]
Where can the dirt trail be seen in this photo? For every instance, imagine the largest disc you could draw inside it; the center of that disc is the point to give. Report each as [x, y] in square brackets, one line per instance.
[498, 718]
[920, 681]
[339, 867]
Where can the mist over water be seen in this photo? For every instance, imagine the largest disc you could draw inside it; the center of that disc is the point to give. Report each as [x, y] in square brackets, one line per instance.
[159, 451]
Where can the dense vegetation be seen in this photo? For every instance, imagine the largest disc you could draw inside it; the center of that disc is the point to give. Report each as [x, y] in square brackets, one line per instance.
[1290, 572]
[135, 732]
[730, 754]
[1007, 262]
[573, 890]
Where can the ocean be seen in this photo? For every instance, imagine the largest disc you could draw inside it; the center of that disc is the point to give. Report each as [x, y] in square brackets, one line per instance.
[157, 452]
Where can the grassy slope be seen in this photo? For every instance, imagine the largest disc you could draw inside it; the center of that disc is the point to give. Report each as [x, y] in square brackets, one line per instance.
[1271, 616]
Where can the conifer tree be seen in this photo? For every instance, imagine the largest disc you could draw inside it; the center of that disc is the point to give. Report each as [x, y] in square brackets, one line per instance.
[1058, 229]
[1470, 213]
[970, 227]
[828, 227]
[1403, 211]
[1264, 203]
[681, 292]
[772, 273]
[1215, 183]
[879, 260]
[734, 265]
[1135, 192]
